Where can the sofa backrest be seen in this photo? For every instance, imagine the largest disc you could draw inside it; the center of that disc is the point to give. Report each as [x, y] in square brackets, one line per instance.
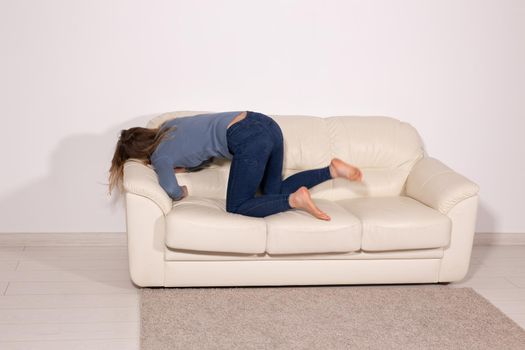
[384, 148]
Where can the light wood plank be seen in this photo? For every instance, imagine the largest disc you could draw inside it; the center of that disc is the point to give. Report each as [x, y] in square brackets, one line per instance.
[494, 239]
[8, 265]
[519, 281]
[502, 294]
[3, 287]
[66, 301]
[499, 251]
[64, 239]
[69, 331]
[74, 249]
[26, 288]
[74, 264]
[93, 252]
[498, 270]
[10, 249]
[11, 253]
[110, 344]
[64, 276]
[500, 261]
[75, 315]
[509, 307]
[483, 282]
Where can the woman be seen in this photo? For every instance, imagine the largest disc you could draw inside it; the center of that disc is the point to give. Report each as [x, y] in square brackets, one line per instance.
[254, 143]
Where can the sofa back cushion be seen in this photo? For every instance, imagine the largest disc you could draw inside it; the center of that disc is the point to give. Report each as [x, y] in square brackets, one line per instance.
[384, 148]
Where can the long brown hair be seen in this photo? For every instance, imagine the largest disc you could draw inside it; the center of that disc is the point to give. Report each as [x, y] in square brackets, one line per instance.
[138, 143]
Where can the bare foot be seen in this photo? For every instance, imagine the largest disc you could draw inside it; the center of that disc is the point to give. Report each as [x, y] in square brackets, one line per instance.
[301, 199]
[340, 168]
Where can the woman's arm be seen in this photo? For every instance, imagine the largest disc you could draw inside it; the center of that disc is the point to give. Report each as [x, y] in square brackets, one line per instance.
[168, 181]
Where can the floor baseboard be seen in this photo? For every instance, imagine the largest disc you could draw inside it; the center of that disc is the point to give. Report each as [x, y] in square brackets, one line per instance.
[487, 238]
[64, 239]
[120, 239]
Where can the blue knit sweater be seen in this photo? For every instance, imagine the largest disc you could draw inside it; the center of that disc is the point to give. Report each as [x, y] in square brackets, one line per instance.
[192, 145]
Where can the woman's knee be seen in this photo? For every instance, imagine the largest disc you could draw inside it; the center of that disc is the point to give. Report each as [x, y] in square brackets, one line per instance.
[230, 208]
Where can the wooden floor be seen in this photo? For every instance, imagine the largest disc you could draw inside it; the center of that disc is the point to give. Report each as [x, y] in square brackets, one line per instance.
[62, 297]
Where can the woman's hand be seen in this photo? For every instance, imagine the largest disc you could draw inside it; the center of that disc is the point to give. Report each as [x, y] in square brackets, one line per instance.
[184, 191]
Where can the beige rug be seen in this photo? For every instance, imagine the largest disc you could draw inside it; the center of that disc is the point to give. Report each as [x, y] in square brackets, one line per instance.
[415, 316]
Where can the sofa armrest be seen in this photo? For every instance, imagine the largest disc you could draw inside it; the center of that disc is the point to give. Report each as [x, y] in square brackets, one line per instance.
[433, 183]
[142, 180]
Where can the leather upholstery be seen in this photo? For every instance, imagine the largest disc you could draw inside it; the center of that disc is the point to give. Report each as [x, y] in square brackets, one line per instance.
[143, 181]
[433, 183]
[394, 223]
[203, 224]
[297, 232]
[411, 219]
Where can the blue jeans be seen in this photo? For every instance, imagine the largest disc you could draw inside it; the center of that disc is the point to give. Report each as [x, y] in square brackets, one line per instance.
[256, 143]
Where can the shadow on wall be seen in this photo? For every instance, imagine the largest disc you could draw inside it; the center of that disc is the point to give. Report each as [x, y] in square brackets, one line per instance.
[485, 218]
[73, 196]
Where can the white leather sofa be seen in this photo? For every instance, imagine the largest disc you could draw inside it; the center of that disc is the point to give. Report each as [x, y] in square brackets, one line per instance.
[411, 220]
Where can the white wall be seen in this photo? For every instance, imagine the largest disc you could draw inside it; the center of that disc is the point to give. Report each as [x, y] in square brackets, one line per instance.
[74, 73]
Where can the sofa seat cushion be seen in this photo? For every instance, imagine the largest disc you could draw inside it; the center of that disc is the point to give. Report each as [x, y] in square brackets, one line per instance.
[298, 232]
[398, 222]
[199, 223]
